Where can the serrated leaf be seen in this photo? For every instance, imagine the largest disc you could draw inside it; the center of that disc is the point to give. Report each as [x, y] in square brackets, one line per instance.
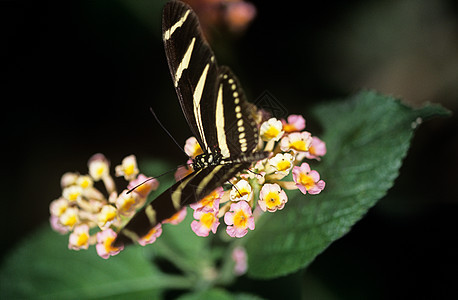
[367, 138]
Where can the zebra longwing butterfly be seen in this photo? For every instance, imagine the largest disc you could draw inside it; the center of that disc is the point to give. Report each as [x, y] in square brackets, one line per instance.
[217, 113]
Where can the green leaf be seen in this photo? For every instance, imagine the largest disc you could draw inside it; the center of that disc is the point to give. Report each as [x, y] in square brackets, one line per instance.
[367, 138]
[42, 267]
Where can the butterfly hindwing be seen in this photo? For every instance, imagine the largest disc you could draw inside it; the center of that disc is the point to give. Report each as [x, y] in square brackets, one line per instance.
[195, 186]
[235, 118]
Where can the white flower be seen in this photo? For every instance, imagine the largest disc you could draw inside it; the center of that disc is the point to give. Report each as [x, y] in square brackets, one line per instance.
[272, 129]
[98, 166]
[296, 141]
[272, 197]
[282, 163]
[128, 168]
[241, 191]
[72, 193]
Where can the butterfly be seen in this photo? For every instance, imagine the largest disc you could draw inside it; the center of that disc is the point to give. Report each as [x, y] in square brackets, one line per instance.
[218, 115]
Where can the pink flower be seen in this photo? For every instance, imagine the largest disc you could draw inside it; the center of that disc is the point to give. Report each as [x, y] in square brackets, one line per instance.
[240, 258]
[307, 180]
[177, 217]
[208, 221]
[151, 236]
[104, 246]
[144, 189]
[57, 226]
[209, 202]
[239, 219]
[296, 141]
[316, 149]
[272, 197]
[295, 123]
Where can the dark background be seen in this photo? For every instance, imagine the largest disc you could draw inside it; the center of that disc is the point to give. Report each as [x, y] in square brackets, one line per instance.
[78, 77]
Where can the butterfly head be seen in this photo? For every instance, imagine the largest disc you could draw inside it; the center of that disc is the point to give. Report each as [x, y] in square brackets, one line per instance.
[206, 159]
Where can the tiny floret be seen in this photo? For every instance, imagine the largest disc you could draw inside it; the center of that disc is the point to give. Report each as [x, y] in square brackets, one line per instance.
[271, 130]
[207, 221]
[98, 166]
[145, 188]
[151, 236]
[317, 149]
[294, 123]
[128, 168]
[307, 180]
[272, 197]
[177, 217]
[282, 163]
[68, 179]
[72, 193]
[209, 202]
[239, 219]
[69, 218]
[107, 216]
[79, 239]
[84, 181]
[104, 246]
[242, 190]
[126, 203]
[296, 141]
[58, 207]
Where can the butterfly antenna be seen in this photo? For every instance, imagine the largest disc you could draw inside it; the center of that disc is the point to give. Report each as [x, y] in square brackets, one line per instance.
[145, 181]
[234, 186]
[149, 179]
[253, 172]
[157, 119]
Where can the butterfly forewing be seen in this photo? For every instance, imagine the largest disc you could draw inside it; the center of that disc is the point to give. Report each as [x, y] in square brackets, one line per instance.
[193, 68]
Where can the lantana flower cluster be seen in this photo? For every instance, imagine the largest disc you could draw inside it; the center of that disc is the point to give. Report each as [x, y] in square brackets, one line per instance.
[261, 188]
[90, 215]
[83, 208]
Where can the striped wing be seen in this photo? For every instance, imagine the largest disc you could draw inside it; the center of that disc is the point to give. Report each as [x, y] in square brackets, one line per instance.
[211, 97]
[237, 131]
[190, 190]
[193, 69]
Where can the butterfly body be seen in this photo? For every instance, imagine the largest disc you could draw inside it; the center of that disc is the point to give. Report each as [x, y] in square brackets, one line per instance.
[218, 115]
